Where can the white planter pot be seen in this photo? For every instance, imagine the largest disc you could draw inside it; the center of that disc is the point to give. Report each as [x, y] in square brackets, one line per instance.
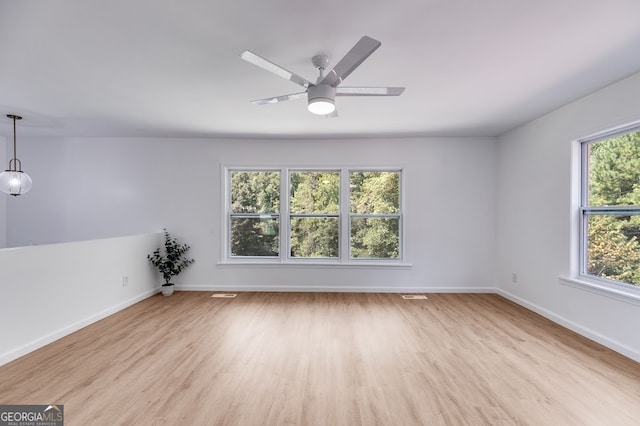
[167, 290]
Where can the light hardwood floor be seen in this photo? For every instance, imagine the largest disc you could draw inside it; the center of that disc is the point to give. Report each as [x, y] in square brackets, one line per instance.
[327, 359]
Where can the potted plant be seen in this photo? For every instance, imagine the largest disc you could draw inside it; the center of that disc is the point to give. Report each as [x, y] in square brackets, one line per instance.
[170, 260]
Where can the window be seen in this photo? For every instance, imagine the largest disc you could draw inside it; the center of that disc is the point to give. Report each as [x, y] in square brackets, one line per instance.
[610, 208]
[375, 214]
[254, 218]
[314, 215]
[314, 212]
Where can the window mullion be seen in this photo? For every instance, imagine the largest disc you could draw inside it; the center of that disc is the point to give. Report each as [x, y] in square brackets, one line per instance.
[345, 228]
[610, 210]
[376, 215]
[285, 219]
[333, 215]
[227, 211]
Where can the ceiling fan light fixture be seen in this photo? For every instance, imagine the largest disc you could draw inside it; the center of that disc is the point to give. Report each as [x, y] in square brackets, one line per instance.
[321, 106]
[321, 99]
[14, 181]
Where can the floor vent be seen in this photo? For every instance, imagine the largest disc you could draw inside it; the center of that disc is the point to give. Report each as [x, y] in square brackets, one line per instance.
[414, 296]
[224, 295]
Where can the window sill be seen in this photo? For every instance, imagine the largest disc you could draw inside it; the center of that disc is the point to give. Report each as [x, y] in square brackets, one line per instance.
[613, 291]
[339, 265]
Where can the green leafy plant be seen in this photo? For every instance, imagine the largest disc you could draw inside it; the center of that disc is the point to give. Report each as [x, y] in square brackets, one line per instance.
[170, 259]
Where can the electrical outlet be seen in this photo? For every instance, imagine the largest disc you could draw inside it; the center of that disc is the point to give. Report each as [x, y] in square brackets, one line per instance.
[514, 277]
[125, 281]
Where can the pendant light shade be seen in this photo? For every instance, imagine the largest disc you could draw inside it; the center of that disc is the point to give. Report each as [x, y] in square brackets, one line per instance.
[13, 180]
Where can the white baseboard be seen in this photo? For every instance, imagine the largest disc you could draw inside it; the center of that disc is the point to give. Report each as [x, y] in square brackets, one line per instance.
[335, 289]
[52, 337]
[583, 331]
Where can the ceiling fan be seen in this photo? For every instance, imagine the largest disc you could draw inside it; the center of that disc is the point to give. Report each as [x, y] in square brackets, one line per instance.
[321, 95]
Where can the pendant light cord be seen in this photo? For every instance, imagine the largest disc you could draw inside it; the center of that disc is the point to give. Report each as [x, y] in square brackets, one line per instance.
[15, 160]
[14, 140]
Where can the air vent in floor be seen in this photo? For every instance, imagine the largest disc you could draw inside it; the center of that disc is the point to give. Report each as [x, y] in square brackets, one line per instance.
[414, 296]
[224, 295]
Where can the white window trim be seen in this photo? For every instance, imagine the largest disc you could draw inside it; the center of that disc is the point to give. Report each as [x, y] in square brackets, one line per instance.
[243, 263]
[577, 277]
[348, 215]
[284, 259]
[605, 288]
[226, 224]
[286, 205]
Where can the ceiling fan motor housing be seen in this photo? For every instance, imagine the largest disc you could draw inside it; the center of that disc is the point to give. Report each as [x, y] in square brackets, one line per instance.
[321, 96]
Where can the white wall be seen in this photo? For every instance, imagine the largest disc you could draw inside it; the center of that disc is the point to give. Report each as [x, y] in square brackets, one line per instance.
[534, 217]
[50, 291]
[94, 188]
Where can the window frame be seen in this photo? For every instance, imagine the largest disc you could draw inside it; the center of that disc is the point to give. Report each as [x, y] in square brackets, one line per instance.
[580, 278]
[229, 214]
[287, 229]
[397, 216]
[344, 219]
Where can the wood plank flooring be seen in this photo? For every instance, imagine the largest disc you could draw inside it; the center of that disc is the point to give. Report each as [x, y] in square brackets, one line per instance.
[327, 359]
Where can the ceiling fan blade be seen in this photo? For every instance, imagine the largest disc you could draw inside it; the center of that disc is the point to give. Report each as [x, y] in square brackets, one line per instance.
[369, 91]
[277, 99]
[358, 53]
[276, 69]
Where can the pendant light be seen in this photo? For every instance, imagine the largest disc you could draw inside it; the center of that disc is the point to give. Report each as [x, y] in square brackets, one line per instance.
[14, 181]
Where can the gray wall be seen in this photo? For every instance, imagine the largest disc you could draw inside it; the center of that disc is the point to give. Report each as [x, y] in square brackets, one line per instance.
[95, 188]
[537, 220]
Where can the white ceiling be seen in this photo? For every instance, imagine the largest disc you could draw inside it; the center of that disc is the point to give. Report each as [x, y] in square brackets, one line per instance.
[172, 68]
